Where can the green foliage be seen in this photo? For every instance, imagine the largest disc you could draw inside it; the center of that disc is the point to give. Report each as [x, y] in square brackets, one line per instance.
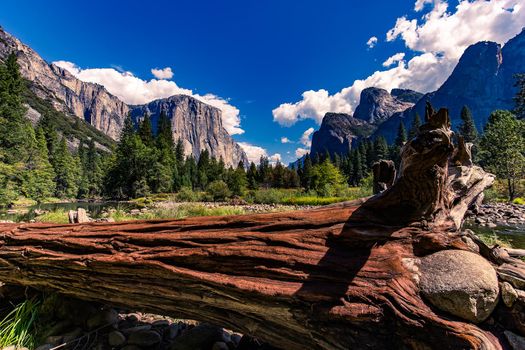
[414, 127]
[326, 179]
[18, 328]
[467, 128]
[401, 137]
[39, 174]
[502, 148]
[519, 99]
[186, 194]
[266, 196]
[519, 201]
[218, 190]
[67, 171]
[178, 212]
[57, 217]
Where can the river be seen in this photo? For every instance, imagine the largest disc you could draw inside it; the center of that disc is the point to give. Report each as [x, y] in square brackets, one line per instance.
[95, 209]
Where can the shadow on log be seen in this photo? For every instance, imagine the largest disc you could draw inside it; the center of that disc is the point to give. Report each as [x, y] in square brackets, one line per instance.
[336, 277]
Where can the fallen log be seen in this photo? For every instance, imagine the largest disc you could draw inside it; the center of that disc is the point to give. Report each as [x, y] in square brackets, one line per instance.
[337, 277]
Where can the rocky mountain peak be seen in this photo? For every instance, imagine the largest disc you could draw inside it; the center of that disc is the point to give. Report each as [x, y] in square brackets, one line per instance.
[199, 125]
[338, 133]
[376, 105]
[406, 95]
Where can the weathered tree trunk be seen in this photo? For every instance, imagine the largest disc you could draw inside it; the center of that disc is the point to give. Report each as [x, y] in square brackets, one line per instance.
[337, 277]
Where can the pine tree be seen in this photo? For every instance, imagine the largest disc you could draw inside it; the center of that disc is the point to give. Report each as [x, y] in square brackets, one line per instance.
[264, 172]
[66, 172]
[358, 171]
[381, 149]
[519, 98]
[203, 168]
[145, 131]
[38, 177]
[93, 171]
[401, 137]
[307, 169]
[414, 127]
[467, 128]
[278, 176]
[237, 181]
[15, 139]
[251, 176]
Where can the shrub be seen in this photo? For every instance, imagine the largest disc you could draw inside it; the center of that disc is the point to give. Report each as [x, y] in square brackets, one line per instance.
[186, 194]
[519, 200]
[218, 190]
[269, 196]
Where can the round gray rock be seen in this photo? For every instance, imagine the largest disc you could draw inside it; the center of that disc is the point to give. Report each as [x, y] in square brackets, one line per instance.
[461, 283]
[144, 338]
[116, 338]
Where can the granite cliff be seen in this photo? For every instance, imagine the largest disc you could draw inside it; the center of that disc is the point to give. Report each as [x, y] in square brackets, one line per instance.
[196, 123]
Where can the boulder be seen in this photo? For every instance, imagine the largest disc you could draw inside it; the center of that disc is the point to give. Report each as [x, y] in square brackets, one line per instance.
[508, 294]
[144, 338]
[116, 338]
[516, 342]
[200, 337]
[461, 283]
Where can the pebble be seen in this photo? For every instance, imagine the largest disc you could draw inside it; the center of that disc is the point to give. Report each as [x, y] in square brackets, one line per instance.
[161, 323]
[116, 338]
[145, 327]
[220, 346]
[106, 317]
[144, 338]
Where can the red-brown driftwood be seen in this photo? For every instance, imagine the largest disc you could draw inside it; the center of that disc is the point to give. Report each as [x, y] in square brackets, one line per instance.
[337, 277]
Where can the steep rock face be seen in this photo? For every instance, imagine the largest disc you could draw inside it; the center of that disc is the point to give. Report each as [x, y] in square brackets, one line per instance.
[199, 126]
[483, 80]
[406, 95]
[88, 101]
[376, 105]
[337, 133]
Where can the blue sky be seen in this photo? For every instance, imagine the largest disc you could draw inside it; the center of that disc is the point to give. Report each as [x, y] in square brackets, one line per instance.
[256, 55]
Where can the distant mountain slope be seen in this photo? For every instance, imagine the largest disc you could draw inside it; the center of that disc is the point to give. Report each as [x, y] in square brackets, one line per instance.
[339, 132]
[482, 80]
[106, 112]
[66, 93]
[194, 122]
[377, 105]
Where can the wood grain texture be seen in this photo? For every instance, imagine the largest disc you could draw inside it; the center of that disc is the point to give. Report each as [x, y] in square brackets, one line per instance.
[336, 277]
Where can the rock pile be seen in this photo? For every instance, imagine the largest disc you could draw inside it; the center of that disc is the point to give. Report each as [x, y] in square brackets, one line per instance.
[75, 324]
[497, 214]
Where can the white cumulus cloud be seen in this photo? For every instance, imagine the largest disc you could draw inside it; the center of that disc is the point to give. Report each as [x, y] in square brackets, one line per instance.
[165, 73]
[371, 42]
[254, 153]
[274, 158]
[133, 90]
[299, 152]
[285, 140]
[305, 138]
[439, 38]
[398, 57]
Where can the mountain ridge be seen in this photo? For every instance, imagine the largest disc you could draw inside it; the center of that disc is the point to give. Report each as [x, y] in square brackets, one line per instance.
[105, 111]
